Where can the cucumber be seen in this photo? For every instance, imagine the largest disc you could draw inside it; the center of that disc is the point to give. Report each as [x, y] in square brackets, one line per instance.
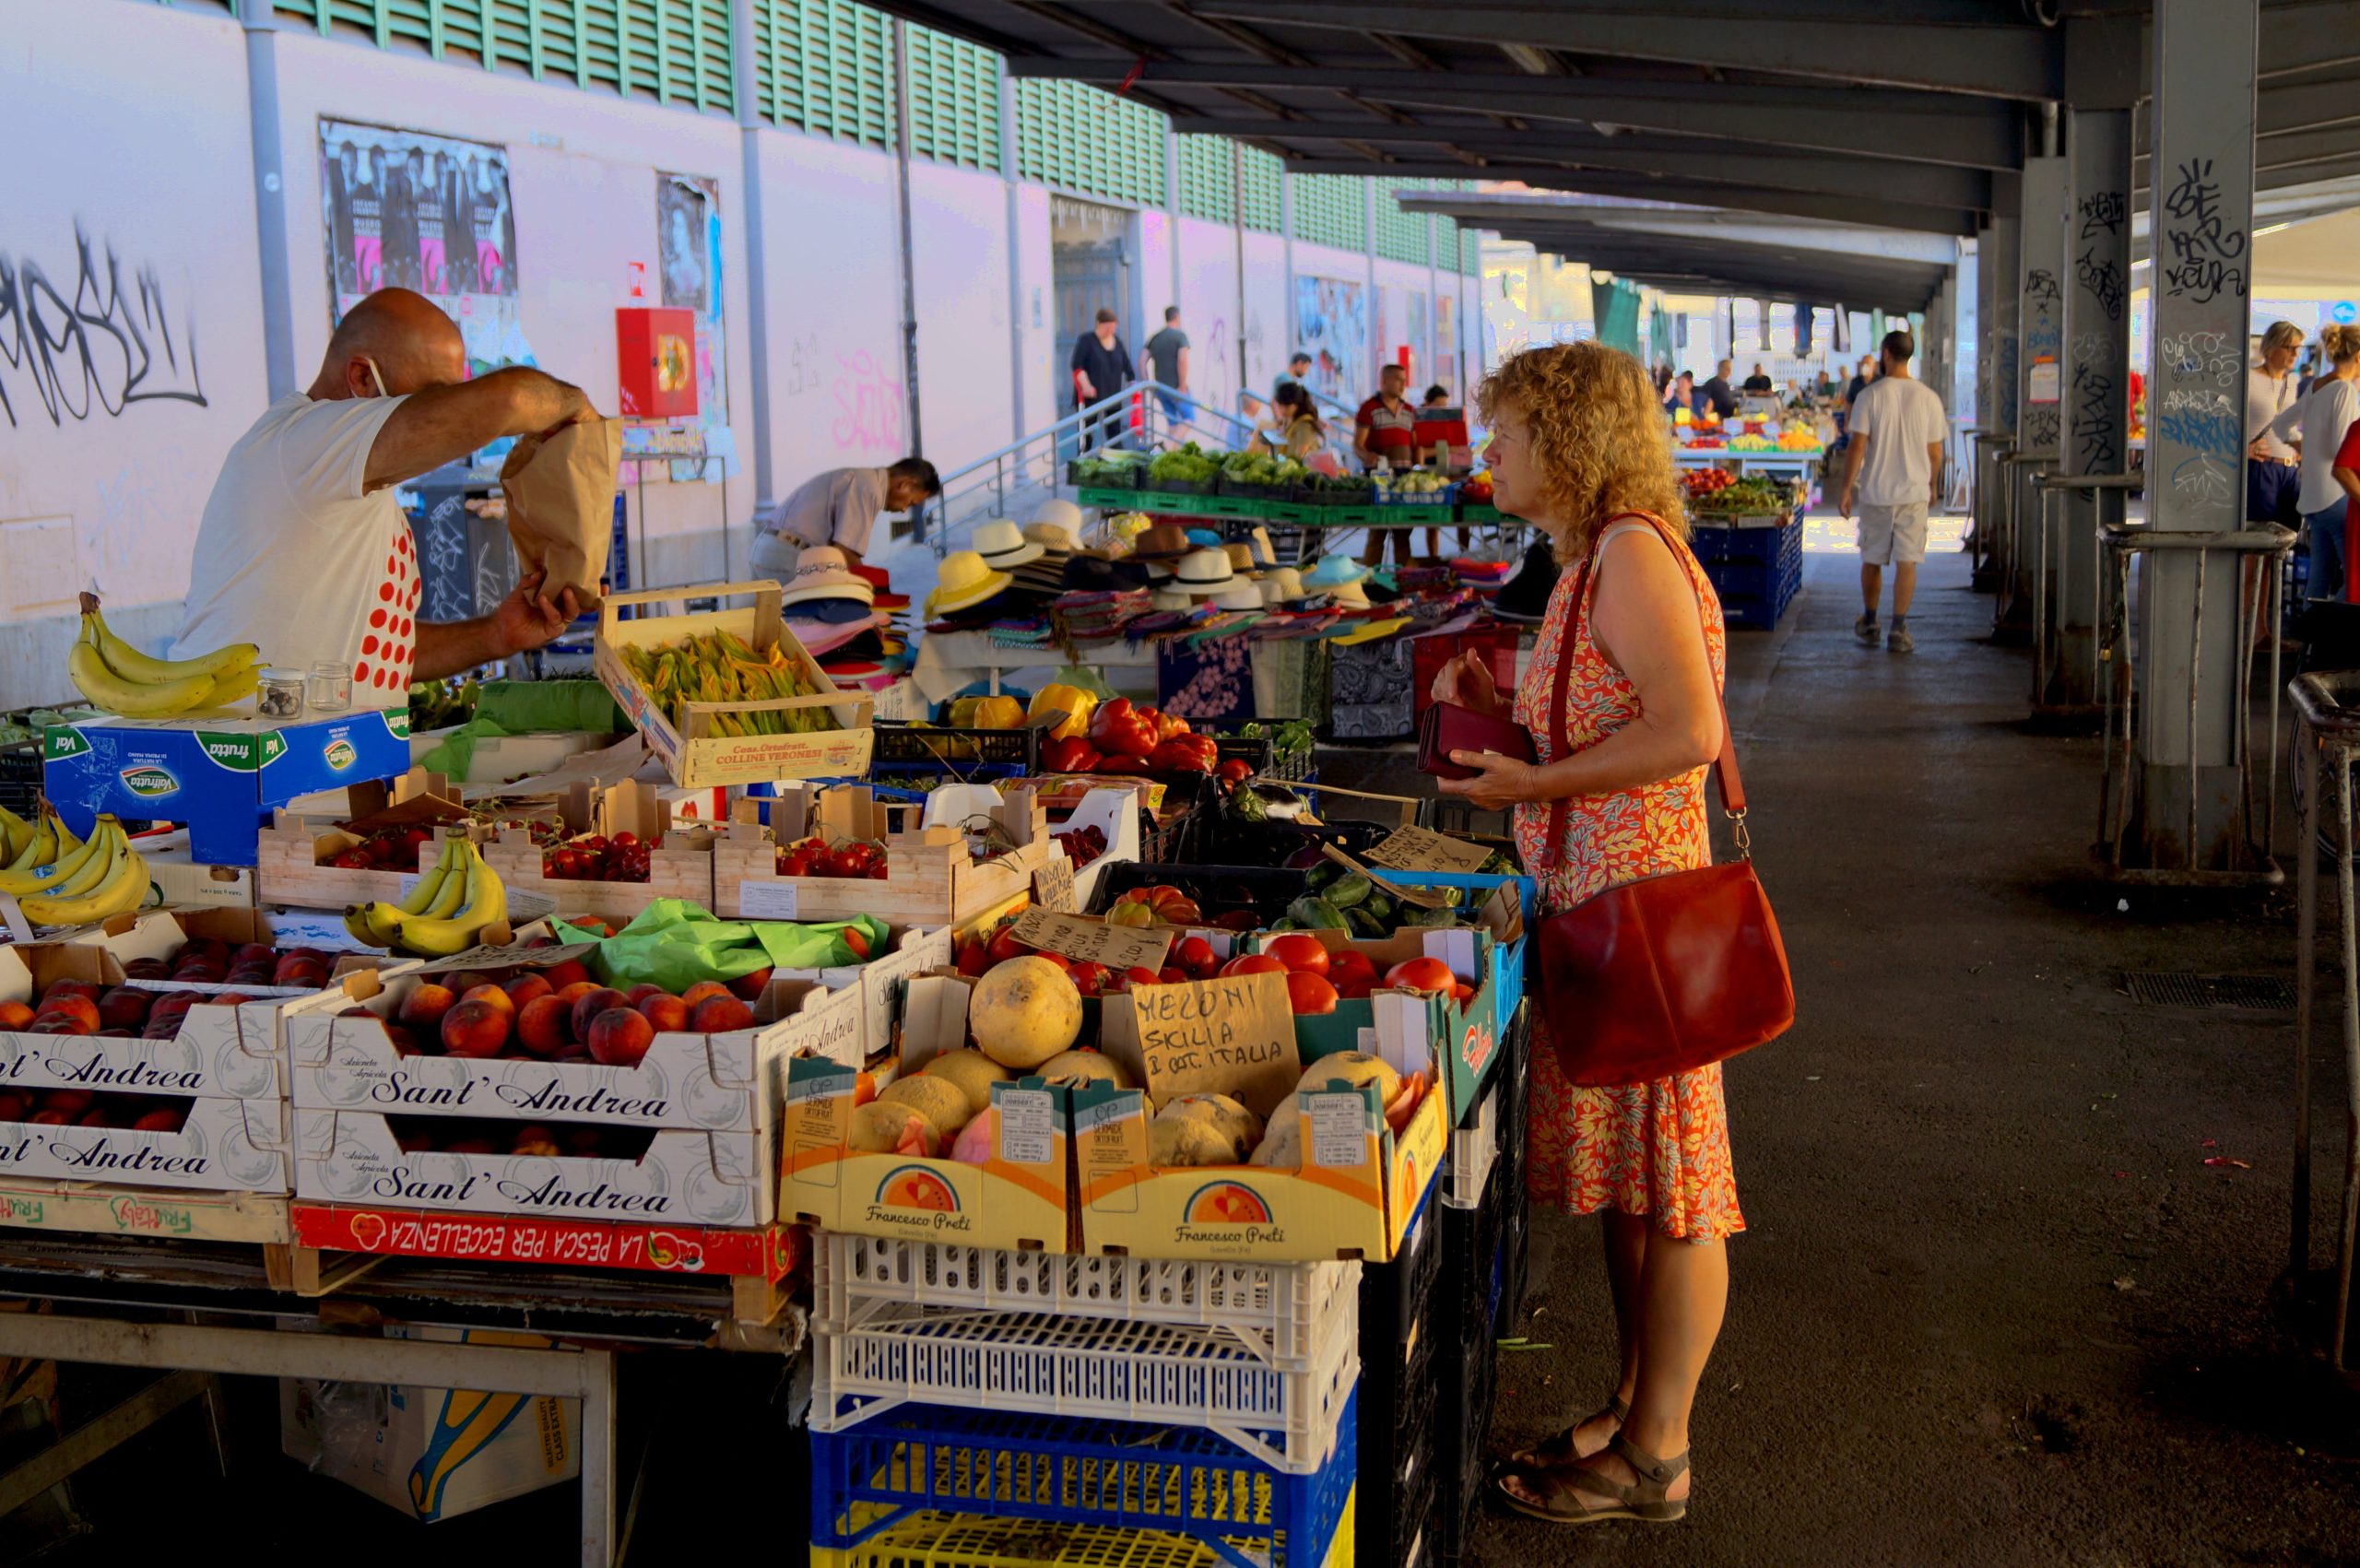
[1311, 913]
[1361, 923]
[1322, 874]
[1352, 889]
[1378, 907]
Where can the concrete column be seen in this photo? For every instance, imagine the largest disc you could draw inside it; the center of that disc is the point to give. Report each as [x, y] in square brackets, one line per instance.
[757, 293]
[1008, 159]
[1996, 275]
[2201, 187]
[1286, 253]
[270, 200]
[2040, 370]
[1376, 309]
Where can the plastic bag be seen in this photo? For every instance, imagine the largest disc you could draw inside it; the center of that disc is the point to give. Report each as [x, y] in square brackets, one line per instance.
[674, 944]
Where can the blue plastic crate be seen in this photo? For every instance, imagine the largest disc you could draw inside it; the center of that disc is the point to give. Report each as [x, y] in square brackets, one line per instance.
[1760, 612]
[1178, 1479]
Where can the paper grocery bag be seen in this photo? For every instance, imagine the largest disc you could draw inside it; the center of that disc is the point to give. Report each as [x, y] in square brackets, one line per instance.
[561, 493]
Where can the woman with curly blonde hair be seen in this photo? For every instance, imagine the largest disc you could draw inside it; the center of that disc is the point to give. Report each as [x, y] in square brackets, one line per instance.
[1578, 447]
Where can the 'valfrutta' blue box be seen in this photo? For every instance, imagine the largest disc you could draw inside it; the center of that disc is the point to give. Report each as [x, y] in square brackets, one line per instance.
[218, 776]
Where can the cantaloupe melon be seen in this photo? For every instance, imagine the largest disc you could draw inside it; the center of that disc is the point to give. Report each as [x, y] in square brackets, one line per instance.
[1352, 1069]
[1080, 1067]
[1025, 1011]
[975, 1073]
[941, 1102]
[882, 1126]
[1281, 1142]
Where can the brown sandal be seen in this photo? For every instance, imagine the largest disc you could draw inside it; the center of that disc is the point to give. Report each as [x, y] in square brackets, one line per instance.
[1557, 1451]
[1602, 1499]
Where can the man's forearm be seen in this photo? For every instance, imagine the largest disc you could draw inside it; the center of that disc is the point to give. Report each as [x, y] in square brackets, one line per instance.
[448, 647]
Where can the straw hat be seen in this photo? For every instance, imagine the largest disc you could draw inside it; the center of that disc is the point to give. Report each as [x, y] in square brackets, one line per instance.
[1258, 544]
[1170, 599]
[1333, 572]
[1056, 513]
[1165, 541]
[1283, 586]
[963, 582]
[1054, 537]
[1240, 557]
[1004, 546]
[822, 572]
[1243, 594]
[1346, 595]
[1204, 573]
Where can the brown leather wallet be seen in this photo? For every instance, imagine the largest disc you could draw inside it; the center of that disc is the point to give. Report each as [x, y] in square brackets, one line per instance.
[1448, 727]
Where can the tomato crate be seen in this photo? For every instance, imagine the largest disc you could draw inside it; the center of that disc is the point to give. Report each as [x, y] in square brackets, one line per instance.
[931, 875]
[935, 1459]
[1284, 1312]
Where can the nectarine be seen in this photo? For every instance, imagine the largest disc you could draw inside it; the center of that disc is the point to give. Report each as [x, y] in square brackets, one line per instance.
[544, 1026]
[424, 1006]
[81, 1010]
[532, 1139]
[702, 989]
[565, 972]
[750, 986]
[527, 987]
[590, 1004]
[639, 994]
[716, 1014]
[665, 1011]
[492, 996]
[619, 1037]
[125, 1007]
[475, 1028]
[14, 1015]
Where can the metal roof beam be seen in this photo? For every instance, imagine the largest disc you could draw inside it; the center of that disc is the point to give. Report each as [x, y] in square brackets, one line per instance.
[1800, 276]
[1893, 42]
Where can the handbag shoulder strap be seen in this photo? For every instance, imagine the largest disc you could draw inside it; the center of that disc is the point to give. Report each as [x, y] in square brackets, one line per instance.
[1724, 771]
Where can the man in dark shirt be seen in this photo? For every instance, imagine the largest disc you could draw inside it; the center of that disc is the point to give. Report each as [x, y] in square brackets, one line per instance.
[1102, 366]
[1718, 391]
[1759, 381]
[1167, 362]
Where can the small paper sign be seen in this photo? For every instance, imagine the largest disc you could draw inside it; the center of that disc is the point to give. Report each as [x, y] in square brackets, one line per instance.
[1052, 885]
[1423, 849]
[1027, 1125]
[1231, 1035]
[1088, 940]
[766, 900]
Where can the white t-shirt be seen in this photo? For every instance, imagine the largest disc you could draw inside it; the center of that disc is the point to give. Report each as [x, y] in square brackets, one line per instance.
[2318, 421]
[294, 556]
[1905, 416]
[2268, 397]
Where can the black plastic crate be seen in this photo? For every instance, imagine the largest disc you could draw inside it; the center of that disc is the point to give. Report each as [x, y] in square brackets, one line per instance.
[1221, 839]
[1396, 1519]
[1474, 1284]
[1462, 1466]
[20, 778]
[953, 751]
[1265, 889]
[1400, 1403]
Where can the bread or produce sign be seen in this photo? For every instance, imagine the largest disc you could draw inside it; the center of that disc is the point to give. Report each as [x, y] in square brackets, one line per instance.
[1085, 939]
[1052, 887]
[1423, 849]
[1233, 1034]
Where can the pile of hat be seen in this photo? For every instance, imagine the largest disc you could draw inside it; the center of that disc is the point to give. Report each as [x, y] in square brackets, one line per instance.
[845, 617]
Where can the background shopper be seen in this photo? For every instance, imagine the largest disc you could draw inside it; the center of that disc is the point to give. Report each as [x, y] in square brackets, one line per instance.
[2316, 424]
[838, 507]
[1102, 366]
[1385, 430]
[2272, 476]
[1894, 464]
[1166, 360]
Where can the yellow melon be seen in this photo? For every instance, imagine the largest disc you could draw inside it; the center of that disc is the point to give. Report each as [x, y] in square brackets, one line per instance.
[1023, 1012]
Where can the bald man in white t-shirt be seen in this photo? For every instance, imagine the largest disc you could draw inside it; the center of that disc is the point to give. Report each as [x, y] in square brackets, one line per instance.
[302, 551]
[1896, 433]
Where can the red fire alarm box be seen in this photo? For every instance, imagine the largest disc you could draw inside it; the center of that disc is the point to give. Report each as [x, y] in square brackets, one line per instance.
[656, 357]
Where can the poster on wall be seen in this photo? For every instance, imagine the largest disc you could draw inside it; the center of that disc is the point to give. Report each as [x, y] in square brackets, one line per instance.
[404, 210]
[1422, 361]
[1447, 342]
[1331, 322]
[688, 248]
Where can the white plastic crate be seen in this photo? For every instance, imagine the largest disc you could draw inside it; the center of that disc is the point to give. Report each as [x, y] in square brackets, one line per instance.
[1078, 1367]
[1474, 1148]
[1285, 1313]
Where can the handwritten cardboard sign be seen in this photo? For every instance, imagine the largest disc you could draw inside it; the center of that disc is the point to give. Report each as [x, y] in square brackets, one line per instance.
[1052, 885]
[1423, 898]
[1085, 939]
[1423, 849]
[1231, 1035]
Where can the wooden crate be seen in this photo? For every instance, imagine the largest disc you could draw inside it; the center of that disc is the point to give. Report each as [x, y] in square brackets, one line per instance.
[930, 881]
[291, 854]
[681, 867]
[697, 754]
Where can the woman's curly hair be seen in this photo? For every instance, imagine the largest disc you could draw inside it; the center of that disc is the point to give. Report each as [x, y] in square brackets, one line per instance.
[1597, 433]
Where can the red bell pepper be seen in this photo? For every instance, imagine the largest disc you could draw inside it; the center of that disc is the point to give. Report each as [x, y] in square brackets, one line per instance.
[1072, 756]
[1235, 769]
[1166, 724]
[1177, 755]
[1118, 728]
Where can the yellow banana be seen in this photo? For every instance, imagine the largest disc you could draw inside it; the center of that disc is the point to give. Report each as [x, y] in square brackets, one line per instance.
[66, 843]
[131, 664]
[453, 891]
[131, 698]
[355, 924]
[88, 871]
[421, 897]
[42, 850]
[15, 834]
[487, 905]
[124, 890]
[52, 876]
[233, 685]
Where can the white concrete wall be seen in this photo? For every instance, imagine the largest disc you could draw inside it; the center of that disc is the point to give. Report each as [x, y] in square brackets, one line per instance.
[959, 219]
[1267, 344]
[126, 225]
[1040, 357]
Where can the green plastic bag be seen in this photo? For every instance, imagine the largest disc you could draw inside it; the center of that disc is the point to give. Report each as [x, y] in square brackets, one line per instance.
[455, 752]
[526, 707]
[674, 944]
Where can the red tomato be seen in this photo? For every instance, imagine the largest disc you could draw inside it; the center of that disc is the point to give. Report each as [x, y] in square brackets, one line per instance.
[1135, 975]
[1356, 989]
[1172, 976]
[1429, 976]
[1195, 955]
[1235, 769]
[1462, 993]
[1004, 945]
[1254, 963]
[1299, 951]
[1349, 965]
[1308, 993]
[1089, 978]
[1059, 959]
[973, 959]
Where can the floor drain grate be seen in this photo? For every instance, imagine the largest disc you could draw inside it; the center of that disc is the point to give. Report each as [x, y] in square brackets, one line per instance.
[2179, 988]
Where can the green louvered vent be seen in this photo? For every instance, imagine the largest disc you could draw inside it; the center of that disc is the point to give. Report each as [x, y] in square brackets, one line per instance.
[1470, 252]
[1075, 135]
[1400, 236]
[1263, 178]
[825, 66]
[1331, 209]
[954, 100]
[671, 51]
[1208, 182]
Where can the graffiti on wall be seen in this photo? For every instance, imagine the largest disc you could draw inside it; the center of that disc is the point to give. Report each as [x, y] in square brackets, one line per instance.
[1332, 318]
[867, 402]
[2207, 256]
[97, 343]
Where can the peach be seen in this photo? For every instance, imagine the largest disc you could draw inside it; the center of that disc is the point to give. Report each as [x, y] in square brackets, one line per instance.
[584, 1143]
[565, 972]
[424, 1006]
[50, 1119]
[97, 1117]
[702, 989]
[664, 1011]
[492, 996]
[405, 1043]
[527, 987]
[470, 1146]
[15, 1105]
[89, 988]
[467, 980]
[545, 1025]
[78, 1007]
[161, 1120]
[475, 1028]
[619, 1037]
[249, 952]
[574, 991]
[533, 1139]
[410, 1143]
[227, 999]
[716, 1014]
[589, 1004]
[14, 1015]
[356, 1011]
[146, 969]
[71, 1102]
[750, 986]
[639, 994]
[123, 1007]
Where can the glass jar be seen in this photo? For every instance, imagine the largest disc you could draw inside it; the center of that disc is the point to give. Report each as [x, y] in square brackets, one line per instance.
[330, 689]
[280, 695]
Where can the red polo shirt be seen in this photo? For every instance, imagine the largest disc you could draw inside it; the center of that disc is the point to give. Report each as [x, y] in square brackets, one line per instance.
[1390, 432]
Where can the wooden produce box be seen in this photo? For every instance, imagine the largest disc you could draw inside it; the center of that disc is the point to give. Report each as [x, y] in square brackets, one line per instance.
[698, 753]
[95, 1208]
[930, 877]
[679, 868]
[292, 854]
[182, 881]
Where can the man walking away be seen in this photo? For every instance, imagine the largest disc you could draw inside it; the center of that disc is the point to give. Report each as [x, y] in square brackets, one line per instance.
[1102, 366]
[1167, 362]
[1897, 433]
[1718, 391]
[1760, 380]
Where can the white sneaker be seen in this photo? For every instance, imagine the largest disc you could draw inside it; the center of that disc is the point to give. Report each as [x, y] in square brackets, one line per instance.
[1898, 641]
[1865, 628]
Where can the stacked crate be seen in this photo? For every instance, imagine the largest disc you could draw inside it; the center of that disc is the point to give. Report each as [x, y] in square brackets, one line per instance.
[1755, 565]
[1401, 1397]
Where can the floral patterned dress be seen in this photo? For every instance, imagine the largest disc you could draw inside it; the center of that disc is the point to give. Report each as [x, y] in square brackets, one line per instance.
[1661, 1148]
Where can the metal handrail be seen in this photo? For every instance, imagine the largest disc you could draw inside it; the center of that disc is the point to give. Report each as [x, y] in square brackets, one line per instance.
[2327, 735]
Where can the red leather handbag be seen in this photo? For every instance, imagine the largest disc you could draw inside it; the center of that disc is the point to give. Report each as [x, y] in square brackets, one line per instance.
[1668, 973]
[1448, 727]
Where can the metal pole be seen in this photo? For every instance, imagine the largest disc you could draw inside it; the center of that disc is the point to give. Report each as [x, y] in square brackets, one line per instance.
[261, 22]
[2310, 749]
[758, 289]
[1007, 160]
[1237, 220]
[916, 443]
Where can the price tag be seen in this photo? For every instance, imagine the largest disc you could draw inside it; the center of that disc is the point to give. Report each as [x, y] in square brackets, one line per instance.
[1052, 885]
[766, 900]
[1423, 849]
[1339, 1130]
[410, 882]
[1087, 939]
[1231, 1035]
[1027, 1125]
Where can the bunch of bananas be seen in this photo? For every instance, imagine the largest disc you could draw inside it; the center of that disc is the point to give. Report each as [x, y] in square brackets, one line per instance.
[122, 679]
[447, 912]
[720, 667]
[58, 880]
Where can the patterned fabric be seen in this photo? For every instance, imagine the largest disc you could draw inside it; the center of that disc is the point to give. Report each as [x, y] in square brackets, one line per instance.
[1659, 1147]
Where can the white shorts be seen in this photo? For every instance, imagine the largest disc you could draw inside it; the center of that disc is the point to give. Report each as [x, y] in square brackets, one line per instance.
[1892, 533]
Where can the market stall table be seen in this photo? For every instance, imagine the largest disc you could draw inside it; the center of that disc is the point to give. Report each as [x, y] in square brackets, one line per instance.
[1795, 464]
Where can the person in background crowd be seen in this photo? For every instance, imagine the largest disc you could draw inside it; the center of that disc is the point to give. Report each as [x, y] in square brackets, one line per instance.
[1293, 428]
[1438, 396]
[1166, 360]
[2316, 424]
[1102, 366]
[302, 550]
[1298, 370]
[1617, 795]
[1385, 432]
[2346, 471]
[426, 182]
[1662, 379]
[1717, 392]
[1760, 380]
[2273, 476]
[1682, 394]
[838, 507]
[1894, 462]
[1865, 374]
